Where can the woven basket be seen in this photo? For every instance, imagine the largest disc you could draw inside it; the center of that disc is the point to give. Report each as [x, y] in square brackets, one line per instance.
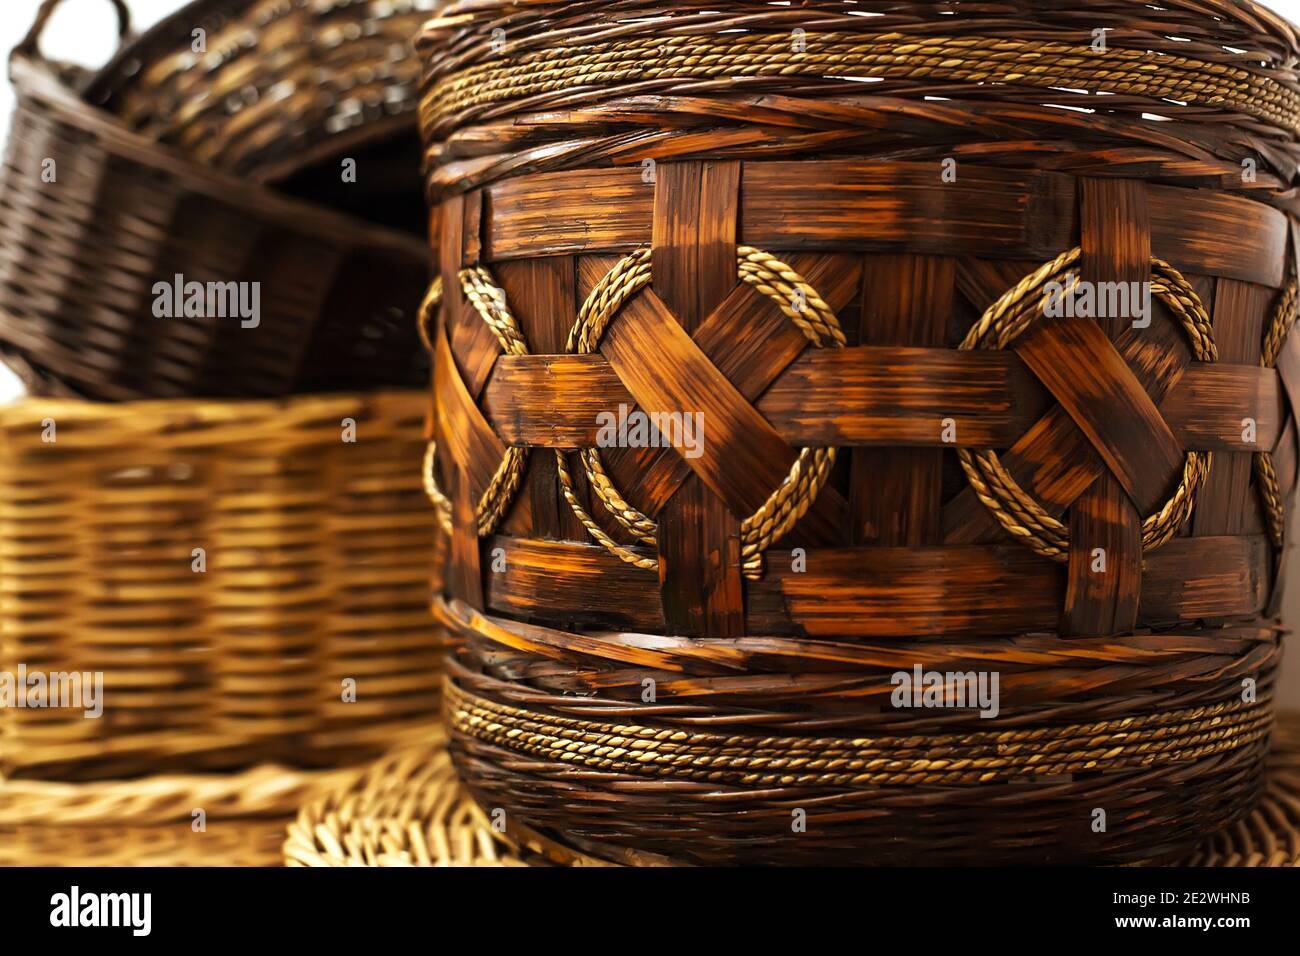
[281, 85]
[82, 256]
[873, 265]
[314, 571]
[410, 810]
[153, 821]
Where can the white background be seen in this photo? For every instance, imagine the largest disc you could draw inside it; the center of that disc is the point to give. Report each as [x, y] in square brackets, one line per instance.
[85, 31]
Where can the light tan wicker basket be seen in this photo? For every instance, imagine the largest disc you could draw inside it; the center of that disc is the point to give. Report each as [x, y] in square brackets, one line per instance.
[228, 568]
[171, 820]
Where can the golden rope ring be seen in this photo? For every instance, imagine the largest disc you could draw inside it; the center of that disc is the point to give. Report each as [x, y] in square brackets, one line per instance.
[1284, 317]
[489, 302]
[791, 501]
[1015, 510]
[427, 311]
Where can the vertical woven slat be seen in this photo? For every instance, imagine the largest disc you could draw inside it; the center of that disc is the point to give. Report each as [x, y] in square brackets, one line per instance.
[463, 573]
[543, 296]
[693, 256]
[896, 492]
[1103, 598]
[1227, 504]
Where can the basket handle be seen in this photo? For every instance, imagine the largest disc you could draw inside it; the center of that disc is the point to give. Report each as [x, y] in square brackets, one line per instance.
[29, 44]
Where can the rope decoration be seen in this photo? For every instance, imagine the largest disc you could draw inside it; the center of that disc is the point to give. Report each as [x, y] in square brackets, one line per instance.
[1015, 510]
[427, 313]
[888, 56]
[922, 760]
[489, 302]
[785, 506]
[1284, 317]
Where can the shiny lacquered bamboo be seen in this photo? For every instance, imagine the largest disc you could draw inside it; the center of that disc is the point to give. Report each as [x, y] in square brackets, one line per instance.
[840, 244]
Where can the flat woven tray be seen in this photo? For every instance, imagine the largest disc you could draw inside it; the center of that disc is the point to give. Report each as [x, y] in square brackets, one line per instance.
[232, 569]
[100, 226]
[1270, 834]
[163, 820]
[410, 810]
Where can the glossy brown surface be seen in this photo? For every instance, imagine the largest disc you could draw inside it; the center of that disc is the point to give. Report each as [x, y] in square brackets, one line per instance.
[796, 265]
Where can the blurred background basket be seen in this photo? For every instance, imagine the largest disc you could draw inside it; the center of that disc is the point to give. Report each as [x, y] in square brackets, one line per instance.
[93, 217]
[832, 237]
[234, 570]
[281, 92]
[163, 820]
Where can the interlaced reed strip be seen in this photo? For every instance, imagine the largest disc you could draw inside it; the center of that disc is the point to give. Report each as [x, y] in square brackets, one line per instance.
[862, 249]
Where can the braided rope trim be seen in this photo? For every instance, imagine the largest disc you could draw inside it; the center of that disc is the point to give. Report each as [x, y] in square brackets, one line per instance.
[797, 300]
[1270, 491]
[489, 301]
[952, 759]
[975, 60]
[428, 313]
[1015, 510]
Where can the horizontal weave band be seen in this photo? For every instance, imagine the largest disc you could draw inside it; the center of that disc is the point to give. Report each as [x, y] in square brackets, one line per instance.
[974, 758]
[972, 59]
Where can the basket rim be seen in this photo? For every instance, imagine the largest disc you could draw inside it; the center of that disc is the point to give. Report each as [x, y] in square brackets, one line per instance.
[109, 80]
[269, 789]
[458, 13]
[35, 79]
[203, 410]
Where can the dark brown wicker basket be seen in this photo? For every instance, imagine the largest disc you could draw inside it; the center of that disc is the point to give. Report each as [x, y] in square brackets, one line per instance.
[285, 91]
[833, 236]
[81, 257]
